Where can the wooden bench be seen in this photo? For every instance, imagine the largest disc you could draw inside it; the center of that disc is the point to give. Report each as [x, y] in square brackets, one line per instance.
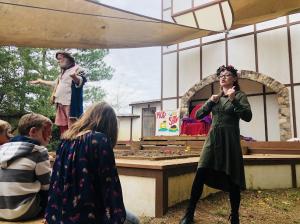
[190, 143]
[273, 147]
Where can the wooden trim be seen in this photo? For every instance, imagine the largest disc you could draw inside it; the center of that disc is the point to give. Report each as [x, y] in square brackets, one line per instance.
[170, 98]
[265, 113]
[226, 50]
[223, 17]
[255, 49]
[194, 14]
[167, 9]
[197, 8]
[294, 175]
[142, 134]
[165, 195]
[272, 144]
[162, 78]
[160, 195]
[177, 95]
[137, 171]
[131, 125]
[196, 21]
[294, 84]
[273, 151]
[177, 171]
[174, 138]
[162, 61]
[261, 94]
[201, 73]
[291, 78]
[272, 161]
[234, 37]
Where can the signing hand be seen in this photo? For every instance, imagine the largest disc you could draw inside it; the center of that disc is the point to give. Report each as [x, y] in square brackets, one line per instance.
[231, 93]
[215, 98]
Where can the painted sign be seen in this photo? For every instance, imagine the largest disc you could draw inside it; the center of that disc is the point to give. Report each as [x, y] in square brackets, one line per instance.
[167, 123]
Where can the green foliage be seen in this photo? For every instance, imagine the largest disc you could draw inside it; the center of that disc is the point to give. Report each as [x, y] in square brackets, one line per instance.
[94, 94]
[53, 145]
[92, 59]
[20, 65]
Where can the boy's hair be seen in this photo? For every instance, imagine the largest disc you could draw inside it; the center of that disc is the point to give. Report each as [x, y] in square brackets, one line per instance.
[31, 120]
[5, 127]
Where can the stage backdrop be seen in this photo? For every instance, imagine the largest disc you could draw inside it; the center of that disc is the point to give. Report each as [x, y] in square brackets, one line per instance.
[167, 123]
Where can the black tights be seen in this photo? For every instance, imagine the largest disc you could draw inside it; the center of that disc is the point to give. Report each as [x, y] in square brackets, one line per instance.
[197, 189]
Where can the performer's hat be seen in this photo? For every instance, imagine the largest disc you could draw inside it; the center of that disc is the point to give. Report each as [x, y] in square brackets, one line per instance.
[66, 55]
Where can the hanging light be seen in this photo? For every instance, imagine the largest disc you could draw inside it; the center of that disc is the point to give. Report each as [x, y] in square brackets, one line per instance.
[203, 14]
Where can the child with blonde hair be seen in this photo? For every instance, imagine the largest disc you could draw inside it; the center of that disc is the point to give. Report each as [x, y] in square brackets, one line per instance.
[5, 132]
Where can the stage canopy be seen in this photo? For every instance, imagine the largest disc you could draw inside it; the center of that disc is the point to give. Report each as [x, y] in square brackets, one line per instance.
[89, 24]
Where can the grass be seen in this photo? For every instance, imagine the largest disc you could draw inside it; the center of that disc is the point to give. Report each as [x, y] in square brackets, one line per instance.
[257, 207]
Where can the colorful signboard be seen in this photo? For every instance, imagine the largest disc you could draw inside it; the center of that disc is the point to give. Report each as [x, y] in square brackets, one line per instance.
[167, 123]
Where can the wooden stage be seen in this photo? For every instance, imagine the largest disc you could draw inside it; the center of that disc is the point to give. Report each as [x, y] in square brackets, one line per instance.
[195, 144]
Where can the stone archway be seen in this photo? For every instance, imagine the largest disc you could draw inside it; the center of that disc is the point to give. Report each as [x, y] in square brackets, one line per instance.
[280, 89]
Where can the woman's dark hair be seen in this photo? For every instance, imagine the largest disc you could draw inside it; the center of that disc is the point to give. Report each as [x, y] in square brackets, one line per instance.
[233, 72]
[100, 117]
[229, 68]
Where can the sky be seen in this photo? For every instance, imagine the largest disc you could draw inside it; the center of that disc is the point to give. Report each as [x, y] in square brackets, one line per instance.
[137, 71]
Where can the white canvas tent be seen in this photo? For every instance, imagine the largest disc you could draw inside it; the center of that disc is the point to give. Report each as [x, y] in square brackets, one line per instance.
[89, 24]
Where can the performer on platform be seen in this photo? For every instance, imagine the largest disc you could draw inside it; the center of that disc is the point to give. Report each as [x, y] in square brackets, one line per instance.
[67, 94]
[221, 162]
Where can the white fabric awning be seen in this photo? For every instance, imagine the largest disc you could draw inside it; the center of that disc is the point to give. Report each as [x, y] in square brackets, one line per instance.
[89, 24]
[84, 24]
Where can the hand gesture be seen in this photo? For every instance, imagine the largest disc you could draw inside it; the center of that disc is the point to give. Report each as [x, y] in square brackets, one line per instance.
[35, 82]
[74, 75]
[231, 93]
[215, 98]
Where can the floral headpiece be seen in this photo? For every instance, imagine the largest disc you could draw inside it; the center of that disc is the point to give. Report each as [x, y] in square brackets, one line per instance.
[229, 68]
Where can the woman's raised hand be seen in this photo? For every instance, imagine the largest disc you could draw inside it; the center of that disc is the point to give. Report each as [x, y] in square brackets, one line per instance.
[215, 98]
[231, 93]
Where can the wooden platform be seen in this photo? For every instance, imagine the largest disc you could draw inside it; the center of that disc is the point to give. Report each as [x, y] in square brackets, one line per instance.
[188, 143]
[196, 143]
[272, 147]
[174, 138]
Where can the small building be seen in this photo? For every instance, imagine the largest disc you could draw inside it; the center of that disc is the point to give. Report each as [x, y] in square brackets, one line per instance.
[141, 121]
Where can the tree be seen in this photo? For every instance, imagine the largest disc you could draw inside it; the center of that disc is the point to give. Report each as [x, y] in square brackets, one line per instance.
[20, 65]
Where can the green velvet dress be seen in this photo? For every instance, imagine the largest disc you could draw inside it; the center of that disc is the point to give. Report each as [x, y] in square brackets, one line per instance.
[221, 156]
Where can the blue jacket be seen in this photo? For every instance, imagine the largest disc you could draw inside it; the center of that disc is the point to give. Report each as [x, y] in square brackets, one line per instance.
[76, 107]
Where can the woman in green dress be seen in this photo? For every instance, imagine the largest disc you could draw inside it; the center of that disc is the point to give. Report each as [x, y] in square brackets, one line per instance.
[221, 162]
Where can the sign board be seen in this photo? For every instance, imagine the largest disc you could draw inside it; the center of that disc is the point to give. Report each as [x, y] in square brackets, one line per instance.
[167, 123]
